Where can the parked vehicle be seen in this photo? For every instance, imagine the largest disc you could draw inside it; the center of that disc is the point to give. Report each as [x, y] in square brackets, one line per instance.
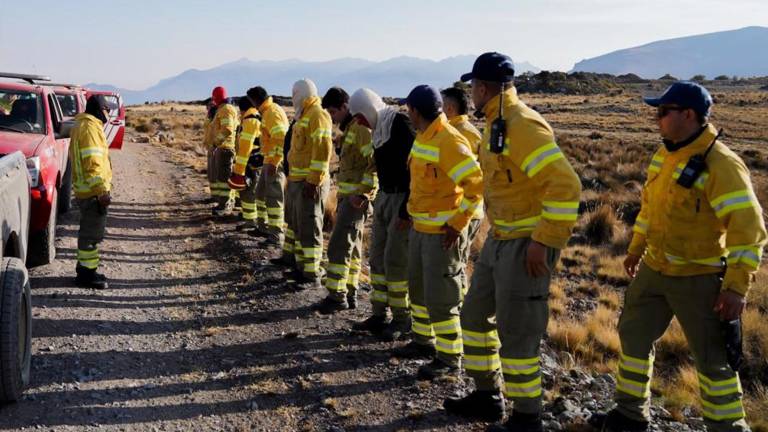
[114, 130]
[31, 121]
[15, 295]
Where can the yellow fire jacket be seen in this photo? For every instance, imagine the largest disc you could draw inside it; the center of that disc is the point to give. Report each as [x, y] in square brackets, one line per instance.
[224, 126]
[685, 232]
[446, 181]
[468, 131]
[357, 169]
[274, 126]
[311, 144]
[89, 153]
[250, 131]
[531, 190]
[207, 133]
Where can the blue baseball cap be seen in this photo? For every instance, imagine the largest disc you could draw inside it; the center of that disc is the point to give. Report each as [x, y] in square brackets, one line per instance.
[684, 94]
[425, 99]
[492, 66]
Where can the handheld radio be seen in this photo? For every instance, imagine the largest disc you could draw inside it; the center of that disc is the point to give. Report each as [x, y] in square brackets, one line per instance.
[499, 127]
[695, 166]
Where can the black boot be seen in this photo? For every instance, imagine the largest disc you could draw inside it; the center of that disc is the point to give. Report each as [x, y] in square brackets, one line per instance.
[397, 329]
[374, 324]
[88, 278]
[520, 422]
[352, 301]
[284, 260]
[482, 405]
[437, 369]
[614, 421]
[328, 306]
[414, 350]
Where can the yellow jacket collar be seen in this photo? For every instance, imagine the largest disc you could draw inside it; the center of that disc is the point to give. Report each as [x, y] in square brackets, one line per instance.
[436, 126]
[308, 103]
[700, 144]
[491, 109]
[453, 121]
[250, 111]
[265, 105]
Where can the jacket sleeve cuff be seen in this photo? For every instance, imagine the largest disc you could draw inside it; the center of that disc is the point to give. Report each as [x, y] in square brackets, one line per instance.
[273, 160]
[459, 221]
[315, 177]
[637, 245]
[737, 280]
[553, 235]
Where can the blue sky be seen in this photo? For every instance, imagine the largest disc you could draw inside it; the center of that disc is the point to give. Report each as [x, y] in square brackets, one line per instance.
[134, 44]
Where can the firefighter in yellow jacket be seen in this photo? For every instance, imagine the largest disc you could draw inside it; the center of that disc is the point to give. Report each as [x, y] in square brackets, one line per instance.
[270, 193]
[248, 158]
[696, 247]
[531, 194]
[308, 181]
[92, 183]
[446, 189]
[223, 134]
[356, 182]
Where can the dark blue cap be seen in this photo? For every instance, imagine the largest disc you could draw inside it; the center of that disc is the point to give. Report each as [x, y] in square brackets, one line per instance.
[492, 66]
[424, 99]
[684, 94]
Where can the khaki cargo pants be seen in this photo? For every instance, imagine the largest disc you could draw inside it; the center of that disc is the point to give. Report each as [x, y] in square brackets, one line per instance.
[269, 203]
[651, 301]
[388, 257]
[504, 318]
[435, 284]
[93, 224]
[306, 222]
[344, 250]
[221, 165]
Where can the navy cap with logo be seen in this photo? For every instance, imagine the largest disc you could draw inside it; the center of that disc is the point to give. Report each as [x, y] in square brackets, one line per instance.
[424, 99]
[684, 94]
[492, 66]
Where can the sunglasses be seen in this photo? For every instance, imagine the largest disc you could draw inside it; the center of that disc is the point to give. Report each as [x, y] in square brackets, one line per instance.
[663, 110]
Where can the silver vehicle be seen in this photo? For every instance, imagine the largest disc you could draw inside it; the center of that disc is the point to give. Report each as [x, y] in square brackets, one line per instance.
[15, 295]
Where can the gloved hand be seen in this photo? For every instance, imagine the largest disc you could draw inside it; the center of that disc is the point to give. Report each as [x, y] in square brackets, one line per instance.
[236, 182]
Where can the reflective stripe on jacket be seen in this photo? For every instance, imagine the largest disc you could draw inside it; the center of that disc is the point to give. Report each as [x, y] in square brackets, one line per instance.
[357, 170]
[274, 126]
[311, 144]
[250, 130]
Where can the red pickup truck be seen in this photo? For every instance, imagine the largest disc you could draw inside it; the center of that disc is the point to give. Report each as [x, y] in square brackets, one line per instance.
[31, 121]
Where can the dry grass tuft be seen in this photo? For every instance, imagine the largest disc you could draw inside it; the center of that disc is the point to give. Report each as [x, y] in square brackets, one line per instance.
[599, 225]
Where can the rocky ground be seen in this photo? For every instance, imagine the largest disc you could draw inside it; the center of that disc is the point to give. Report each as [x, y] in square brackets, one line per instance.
[199, 332]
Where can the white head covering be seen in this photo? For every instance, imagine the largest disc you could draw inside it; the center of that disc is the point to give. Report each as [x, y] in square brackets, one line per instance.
[368, 103]
[302, 90]
[383, 130]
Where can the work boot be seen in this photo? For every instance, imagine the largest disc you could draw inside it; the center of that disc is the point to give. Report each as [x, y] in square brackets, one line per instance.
[223, 209]
[307, 284]
[352, 301]
[414, 350]
[397, 329]
[436, 369]
[258, 232]
[271, 240]
[328, 306]
[88, 278]
[614, 421]
[485, 405]
[374, 324]
[283, 260]
[519, 422]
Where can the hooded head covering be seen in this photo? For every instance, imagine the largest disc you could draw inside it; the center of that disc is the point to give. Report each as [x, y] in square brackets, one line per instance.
[219, 95]
[302, 90]
[96, 105]
[367, 103]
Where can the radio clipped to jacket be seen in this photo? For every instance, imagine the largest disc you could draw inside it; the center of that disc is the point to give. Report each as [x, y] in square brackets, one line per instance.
[696, 166]
[499, 128]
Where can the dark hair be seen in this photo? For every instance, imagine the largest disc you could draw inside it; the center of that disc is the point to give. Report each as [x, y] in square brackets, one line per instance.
[244, 104]
[459, 96]
[335, 97]
[257, 94]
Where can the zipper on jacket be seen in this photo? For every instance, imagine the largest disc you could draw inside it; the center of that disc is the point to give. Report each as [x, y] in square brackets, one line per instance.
[698, 204]
[435, 170]
[509, 176]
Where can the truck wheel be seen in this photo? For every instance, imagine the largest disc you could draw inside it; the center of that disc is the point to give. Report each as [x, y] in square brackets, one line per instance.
[15, 329]
[65, 192]
[42, 246]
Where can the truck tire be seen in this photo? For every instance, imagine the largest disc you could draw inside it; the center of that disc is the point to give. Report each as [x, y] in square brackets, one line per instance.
[65, 191]
[42, 246]
[15, 329]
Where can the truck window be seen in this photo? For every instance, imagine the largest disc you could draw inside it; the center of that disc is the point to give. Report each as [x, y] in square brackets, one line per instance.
[21, 111]
[68, 104]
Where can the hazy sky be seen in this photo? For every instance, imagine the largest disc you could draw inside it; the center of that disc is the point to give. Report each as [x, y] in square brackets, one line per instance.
[133, 44]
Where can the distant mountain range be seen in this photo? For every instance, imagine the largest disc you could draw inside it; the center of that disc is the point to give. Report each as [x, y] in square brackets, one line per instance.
[742, 53]
[393, 77]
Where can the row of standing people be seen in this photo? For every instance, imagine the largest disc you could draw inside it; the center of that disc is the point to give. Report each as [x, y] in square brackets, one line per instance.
[427, 178]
